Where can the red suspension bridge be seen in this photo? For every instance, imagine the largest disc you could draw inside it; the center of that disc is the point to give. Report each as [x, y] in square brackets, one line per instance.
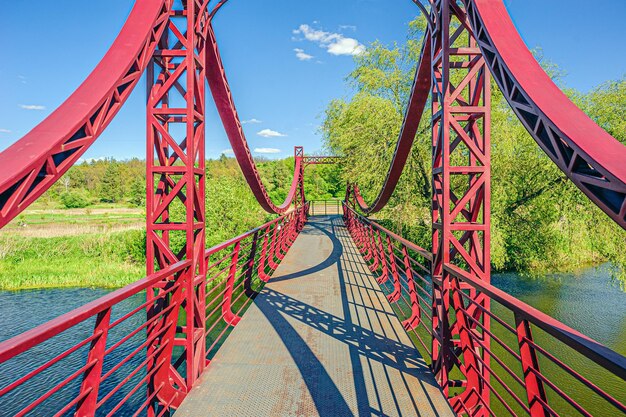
[354, 319]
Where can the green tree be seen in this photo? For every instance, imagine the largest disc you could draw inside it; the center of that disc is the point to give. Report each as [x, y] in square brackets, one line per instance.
[111, 189]
[137, 192]
[540, 221]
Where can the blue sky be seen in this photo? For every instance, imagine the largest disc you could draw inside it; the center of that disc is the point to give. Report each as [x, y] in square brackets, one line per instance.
[280, 79]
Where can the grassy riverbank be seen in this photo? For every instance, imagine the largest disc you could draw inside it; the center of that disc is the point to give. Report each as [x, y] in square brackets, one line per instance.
[88, 229]
[49, 247]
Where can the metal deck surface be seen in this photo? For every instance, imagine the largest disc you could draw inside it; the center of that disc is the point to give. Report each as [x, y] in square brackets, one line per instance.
[319, 340]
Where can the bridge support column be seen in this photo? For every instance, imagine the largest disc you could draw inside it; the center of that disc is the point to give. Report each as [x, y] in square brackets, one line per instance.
[175, 208]
[460, 206]
[299, 199]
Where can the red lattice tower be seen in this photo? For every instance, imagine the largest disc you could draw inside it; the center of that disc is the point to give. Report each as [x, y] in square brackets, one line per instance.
[461, 201]
[175, 203]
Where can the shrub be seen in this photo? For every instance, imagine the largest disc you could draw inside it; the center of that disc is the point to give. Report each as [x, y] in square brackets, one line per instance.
[74, 199]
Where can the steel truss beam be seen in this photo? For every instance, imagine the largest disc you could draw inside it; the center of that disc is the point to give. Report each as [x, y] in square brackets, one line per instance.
[583, 151]
[175, 205]
[461, 202]
[320, 160]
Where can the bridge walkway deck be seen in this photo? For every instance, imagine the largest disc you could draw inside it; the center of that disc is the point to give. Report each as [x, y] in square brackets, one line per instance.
[319, 340]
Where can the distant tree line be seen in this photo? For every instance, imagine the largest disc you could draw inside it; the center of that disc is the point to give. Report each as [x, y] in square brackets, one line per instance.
[230, 205]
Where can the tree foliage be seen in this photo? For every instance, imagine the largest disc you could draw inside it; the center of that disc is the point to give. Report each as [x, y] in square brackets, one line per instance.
[540, 221]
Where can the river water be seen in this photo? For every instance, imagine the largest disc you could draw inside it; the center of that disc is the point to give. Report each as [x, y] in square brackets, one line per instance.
[587, 300]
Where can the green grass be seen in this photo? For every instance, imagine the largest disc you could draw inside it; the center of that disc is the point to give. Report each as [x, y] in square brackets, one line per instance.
[68, 272]
[65, 218]
[48, 246]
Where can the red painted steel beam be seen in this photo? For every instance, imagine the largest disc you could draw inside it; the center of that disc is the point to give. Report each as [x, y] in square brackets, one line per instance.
[222, 95]
[100, 363]
[35, 162]
[320, 160]
[522, 349]
[30, 338]
[600, 354]
[175, 200]
[461, 175]
[589, 156]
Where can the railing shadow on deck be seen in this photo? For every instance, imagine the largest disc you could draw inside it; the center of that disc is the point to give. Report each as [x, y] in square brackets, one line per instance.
[364, 344]
[332, 259]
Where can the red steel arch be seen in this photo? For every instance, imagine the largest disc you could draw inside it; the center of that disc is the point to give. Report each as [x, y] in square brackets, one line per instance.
[589, 156]
[36, 161]
[586, 153]
[216, 77]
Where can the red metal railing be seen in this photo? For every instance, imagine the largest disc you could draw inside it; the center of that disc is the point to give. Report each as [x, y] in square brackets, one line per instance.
[537, 365]
[404, 274]
[97, 358]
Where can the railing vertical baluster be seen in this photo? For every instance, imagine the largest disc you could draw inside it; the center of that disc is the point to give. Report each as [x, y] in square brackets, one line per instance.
[354, 231]
[91, 378]
[250, 267]
[300, 225]
[230, 317]
[535, 391]
[292, 231]
[413, 321]
[367, 255]
[397, 286]
[280, 245]
[270, 259]
[362, 243]
[281, 239]
[381, 250]
[289, 228]
[261, 269]
[372, 238]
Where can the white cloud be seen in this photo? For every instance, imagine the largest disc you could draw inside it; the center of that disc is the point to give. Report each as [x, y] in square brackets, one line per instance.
[302, 56]
[344, 27]
[266, 150]
[5, 131]
[32, 107]
[227, 152]
[269, 133]
[346, 46]
[92, 160]
[251, 121]
[22, 79]
[334, 43]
